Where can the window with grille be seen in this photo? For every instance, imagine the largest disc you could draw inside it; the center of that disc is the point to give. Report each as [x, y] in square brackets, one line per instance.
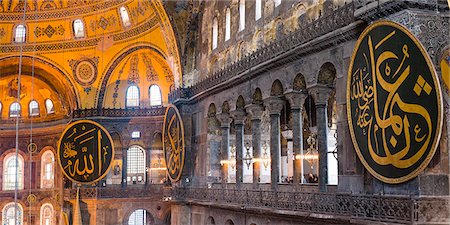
[215, 33]
[241, 15]
[34, 108]
[136, 134]
[155, 95]
[138, 217]
[78, 28]
[277, 2]
[227, 25]
[47, 214]
[47, 168]
[9, 214]
[258, 9]
[14, 110]
[125, 18]
[135, 164]
[132, 97]
[49, 106]
[20, 33]
[12, 172]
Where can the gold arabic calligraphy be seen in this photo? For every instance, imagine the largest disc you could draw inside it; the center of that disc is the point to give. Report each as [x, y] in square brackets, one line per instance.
[82, 164]
[388, 118]
[173, 136]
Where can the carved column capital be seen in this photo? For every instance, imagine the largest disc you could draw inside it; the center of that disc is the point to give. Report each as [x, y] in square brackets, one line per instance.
[255, 111]
[296, 99]
[224, 119]
[274, 105]
[238, 116]
[321, 94]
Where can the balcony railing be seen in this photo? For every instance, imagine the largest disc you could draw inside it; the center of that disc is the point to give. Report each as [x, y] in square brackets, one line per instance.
[131, 112]
[155, 192]
[395, 209]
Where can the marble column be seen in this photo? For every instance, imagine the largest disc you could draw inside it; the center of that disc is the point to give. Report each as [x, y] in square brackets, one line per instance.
[124, 167]
[274, 105]
[297, 100]
[239, 118]
[225, 121]
[255, 112]
[321, 94]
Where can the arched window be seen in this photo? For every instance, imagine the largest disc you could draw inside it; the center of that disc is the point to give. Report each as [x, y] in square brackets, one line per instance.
[139, 217]
[125, 18]
[241, 15]
[132, 97]
[47, 169]
[49, 106]
[20, 33]
[215, 33]
[155, 95]
[14, 110]
[34, 108]
[136, 164]
[277, 2]
[258, 9]
[78, 28]
[47, 214]
[1, 110]
[227, 25]
[10, 214]
[12, 172]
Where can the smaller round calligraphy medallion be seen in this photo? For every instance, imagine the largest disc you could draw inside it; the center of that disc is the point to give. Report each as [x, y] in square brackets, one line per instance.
[394, 103]
[32, 147]
[173, 143]
[85, 151]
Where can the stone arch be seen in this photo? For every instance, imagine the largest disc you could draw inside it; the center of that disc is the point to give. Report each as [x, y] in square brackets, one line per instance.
[327, 74]
[113, 64]
[257, 97]
[47, 71]
[210, 221]
[229, 222]
[225, 107]
[149, 215]
[277, 88]
[240, 102]
[212, 111]
[299, 82]
[157, 140]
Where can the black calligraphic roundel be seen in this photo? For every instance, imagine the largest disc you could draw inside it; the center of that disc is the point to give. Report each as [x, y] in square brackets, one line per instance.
[394, 103]
[173, 143]
[85, 151]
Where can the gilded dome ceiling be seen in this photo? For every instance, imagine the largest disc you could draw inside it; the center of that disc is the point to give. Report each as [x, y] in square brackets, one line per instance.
[112, 30]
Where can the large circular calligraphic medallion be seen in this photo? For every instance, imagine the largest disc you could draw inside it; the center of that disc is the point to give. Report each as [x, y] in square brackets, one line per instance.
[173, 143]
[85, 151]
[394, 103]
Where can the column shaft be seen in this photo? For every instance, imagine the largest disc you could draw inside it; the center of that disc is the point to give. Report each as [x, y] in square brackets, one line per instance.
[256, 143]
[224, 152]
[124, 167]
[239, 152]
[275, 147]
[297, 133]
[321, 114]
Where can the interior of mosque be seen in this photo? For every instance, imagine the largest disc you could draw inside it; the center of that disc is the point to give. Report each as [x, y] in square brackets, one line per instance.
[260, 101]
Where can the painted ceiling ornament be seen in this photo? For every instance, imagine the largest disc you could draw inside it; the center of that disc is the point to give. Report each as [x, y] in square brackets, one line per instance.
[394, 103]
[173, 143]
[13, 89]
[150, 72]
[85, 70]
[133, 75]
[85, 151]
